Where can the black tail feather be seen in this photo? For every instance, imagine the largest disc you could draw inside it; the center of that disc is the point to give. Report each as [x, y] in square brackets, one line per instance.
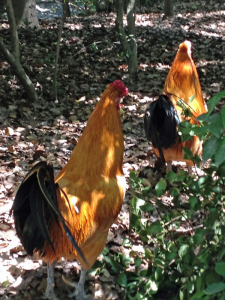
[38, 209]
[34, 205]
[160, 124]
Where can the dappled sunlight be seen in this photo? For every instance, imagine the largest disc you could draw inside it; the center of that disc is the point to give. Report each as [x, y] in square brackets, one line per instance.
[90, 57]
[192, 22]
[74, 26]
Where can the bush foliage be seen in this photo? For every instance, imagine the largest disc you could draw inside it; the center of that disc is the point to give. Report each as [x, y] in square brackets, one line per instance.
[183, 242]
[184, 254]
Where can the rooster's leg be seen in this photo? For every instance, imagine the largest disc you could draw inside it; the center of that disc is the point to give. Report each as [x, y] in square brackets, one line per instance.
[169, 167]
[80, 292]
[49, 293]
[189, 170]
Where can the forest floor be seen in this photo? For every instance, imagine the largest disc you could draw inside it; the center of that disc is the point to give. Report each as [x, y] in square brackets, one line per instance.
[90, 58]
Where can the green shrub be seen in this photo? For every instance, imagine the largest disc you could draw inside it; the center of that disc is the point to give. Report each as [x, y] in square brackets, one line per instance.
[183, 257]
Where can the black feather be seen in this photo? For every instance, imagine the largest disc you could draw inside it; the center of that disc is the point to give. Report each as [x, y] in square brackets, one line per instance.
[35, 207]
[160, 124]
[39, 211]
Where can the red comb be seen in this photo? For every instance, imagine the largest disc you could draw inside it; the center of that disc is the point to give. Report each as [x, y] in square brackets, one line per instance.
[119, 85]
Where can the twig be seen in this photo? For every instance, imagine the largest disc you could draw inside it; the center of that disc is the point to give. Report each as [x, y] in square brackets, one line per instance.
[172, 220]
[19, 72]
[191, 229]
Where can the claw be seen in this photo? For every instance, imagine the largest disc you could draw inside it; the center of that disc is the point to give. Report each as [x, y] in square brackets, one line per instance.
[49, 295]
[80, 295]
[70, 283]
[79, 292]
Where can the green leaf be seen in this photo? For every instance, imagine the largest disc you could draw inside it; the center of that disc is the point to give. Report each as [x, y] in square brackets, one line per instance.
[193, 201]
[181, 294]
[187, 153]
[184, 249]
[137, 261]
[160, 187]
[220, 268]
[105, 251]
[174, 192]
[211, 105]
[221, 254]
[122, 280]
[136, 203]
[204, 256]
[153, 287]
[203, 117]
[214, 100]
[158, 274]
[148, 253]
[147, 207]
[191, 287]
[215, 124]
[210, 148]
[170, 256]
[191, 98]
[212, 277]
[199, 236]
[223, 116]
[126, 243]
[198, 295]
[139, 203]
[200, 282]
[171, 177]
[181, 175]
[219, 156]
[124, 259]
[135, 222]
[115, 266]
[133, 175]
[96, 268]
[154, 228]
[215, 288]
[5, 283]
[95, 47]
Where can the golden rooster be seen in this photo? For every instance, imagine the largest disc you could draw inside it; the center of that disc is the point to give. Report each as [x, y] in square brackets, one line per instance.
[163, 115]
[70, 216]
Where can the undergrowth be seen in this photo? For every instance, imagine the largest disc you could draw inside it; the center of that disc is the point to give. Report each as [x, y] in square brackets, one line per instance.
[183, 243]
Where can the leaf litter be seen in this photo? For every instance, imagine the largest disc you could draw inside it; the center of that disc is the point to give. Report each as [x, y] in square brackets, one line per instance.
[91, 58]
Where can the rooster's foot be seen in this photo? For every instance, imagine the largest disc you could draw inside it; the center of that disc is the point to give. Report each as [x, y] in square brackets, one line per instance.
[80, 295]
[50, 295]
[79, 292]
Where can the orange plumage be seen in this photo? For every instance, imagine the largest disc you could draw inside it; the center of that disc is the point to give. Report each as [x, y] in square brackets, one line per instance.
[89, 191]
[94, 184]
[182, 82]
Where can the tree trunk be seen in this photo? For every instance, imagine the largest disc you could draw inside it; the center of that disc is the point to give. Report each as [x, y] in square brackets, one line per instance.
[168, 8]
[18, 70]
[132, 60]
[25, 12]
[67, 8]
[13, 58]
[128, 42]
[13, 31]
